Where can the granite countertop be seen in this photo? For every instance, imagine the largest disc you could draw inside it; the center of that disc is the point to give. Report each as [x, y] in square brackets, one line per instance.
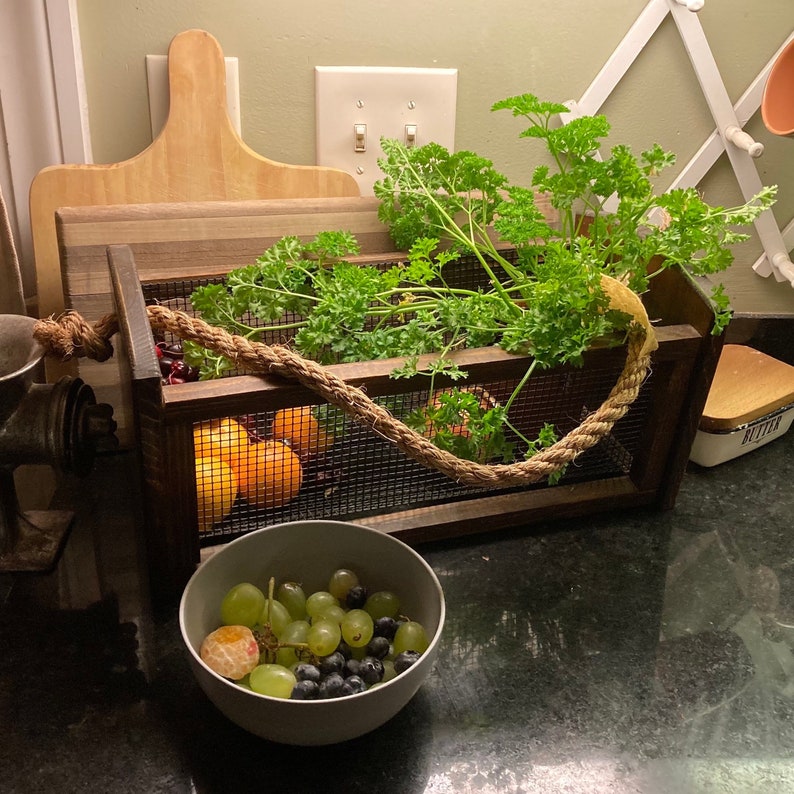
[635, 651]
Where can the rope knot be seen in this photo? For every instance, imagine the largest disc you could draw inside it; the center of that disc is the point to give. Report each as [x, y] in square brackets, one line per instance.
[70, 335]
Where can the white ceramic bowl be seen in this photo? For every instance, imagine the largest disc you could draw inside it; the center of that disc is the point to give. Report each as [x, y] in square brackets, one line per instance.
[308, 552]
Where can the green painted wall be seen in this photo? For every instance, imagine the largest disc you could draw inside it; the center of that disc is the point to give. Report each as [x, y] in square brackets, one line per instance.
[553, 48]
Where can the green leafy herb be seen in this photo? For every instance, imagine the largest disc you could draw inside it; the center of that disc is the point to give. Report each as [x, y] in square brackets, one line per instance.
[544, 300]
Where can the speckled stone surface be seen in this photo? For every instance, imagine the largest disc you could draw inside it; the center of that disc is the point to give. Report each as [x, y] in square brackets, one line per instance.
[637, 651]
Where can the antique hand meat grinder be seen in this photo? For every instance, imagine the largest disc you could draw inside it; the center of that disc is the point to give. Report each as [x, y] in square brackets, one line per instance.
[58, 424]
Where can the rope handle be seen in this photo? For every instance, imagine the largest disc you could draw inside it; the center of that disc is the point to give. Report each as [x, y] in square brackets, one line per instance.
[71, 335]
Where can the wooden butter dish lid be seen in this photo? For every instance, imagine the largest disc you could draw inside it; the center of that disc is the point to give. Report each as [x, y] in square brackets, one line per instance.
[747, 385]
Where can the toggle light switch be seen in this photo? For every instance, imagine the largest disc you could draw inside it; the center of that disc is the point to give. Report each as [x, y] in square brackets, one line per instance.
[377, 102]
[360, 132]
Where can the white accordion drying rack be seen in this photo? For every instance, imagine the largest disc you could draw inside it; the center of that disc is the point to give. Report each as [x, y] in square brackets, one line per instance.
[729, 135]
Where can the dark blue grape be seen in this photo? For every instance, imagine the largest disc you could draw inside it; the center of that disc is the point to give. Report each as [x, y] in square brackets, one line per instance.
[353, 685]
[344, 649]
[333, 663]
[385, 627]
[378, 647]
[305, 690]
[331, 686]
[404, 660]
[356, 597]
[351, 667]
[307, 672]
[370, 670]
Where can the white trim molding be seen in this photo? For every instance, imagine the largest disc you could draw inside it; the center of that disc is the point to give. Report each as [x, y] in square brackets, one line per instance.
[43, 113]
[67, 67]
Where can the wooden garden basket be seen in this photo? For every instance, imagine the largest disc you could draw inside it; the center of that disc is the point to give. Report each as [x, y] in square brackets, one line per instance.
[364, 477]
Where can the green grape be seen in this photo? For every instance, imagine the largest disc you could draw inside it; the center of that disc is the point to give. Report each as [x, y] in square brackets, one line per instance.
[358, 653]
[272, 679]
[294, 599]
[297, 631]
[410, 636]
[332, 612]
[341, 581]
[357, 628]
[277, 615]
[388, 671]
[383, 604]
[242, 605]
[323, 637]
[316, 602]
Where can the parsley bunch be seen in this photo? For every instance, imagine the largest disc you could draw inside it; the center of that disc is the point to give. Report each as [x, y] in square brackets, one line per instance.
[546, 301]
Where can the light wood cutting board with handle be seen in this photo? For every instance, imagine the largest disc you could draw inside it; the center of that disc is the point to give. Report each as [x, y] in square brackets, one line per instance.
[198, 156]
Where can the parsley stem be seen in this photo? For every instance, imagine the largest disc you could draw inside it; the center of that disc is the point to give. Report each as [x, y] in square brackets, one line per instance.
[523, 382]
[520, 435]
[471, 243]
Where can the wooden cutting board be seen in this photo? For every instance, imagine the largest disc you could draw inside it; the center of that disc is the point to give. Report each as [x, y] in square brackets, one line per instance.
[747, 385]
[198, 156]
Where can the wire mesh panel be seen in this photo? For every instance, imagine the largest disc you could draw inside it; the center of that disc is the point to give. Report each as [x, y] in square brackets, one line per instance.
[313, 461]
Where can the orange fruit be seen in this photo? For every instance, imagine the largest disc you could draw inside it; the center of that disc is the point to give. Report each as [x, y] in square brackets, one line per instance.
[300, 428]
[220, 438]
[216, 490]
[231, 651]
[269, 473]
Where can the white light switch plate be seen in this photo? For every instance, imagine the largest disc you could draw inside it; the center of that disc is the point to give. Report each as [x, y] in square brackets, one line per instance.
[391, 102]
